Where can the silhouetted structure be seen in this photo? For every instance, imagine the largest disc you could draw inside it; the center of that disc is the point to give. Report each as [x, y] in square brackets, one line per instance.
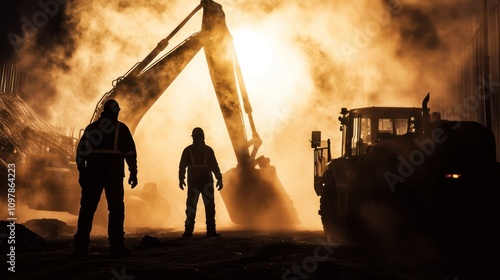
[200, 161]
[101, 152]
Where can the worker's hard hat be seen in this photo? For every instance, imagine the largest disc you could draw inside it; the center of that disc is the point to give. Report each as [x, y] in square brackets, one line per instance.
[111, 106]
[197, 131]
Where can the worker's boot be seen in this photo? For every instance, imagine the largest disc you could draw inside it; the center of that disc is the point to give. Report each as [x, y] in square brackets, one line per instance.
[211, 232]
[117, 247]
[81, 246]
[188, 230]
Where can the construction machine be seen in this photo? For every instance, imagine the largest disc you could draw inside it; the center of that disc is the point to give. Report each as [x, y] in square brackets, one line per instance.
[37, 156]
[253, 194]
[405, 174]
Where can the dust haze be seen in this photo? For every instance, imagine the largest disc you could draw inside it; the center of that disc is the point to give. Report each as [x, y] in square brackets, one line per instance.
[302, 61]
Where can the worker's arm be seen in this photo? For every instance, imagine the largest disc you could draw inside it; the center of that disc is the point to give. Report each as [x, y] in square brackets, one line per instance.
[214, 167]
[130, 153]
[83, 149]
[131, 159]
[182, 168]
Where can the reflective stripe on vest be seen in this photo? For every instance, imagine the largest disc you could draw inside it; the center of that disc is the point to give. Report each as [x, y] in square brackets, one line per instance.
[115, 150]
[194, 162]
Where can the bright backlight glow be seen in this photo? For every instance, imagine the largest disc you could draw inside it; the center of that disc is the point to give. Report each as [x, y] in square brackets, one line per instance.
[255, 52]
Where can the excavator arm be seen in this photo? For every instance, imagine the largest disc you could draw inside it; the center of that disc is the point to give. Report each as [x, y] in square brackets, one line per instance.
[142, 85]
[228, 82]
[145, 82]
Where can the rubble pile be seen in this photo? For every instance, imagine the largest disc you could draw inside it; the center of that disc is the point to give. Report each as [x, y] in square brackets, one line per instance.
[25, 240]
[49, 228]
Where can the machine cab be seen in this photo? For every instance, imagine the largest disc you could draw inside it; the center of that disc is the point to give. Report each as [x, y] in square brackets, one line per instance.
[363, 127]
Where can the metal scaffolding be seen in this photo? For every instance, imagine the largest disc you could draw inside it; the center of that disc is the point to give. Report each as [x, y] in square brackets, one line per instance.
[11, 78]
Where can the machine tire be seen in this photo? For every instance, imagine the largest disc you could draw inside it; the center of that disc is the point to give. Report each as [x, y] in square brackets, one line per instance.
[327, 205]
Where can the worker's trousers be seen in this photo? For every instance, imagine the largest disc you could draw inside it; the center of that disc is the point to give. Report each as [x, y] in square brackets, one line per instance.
[207, 193]
[91, 194]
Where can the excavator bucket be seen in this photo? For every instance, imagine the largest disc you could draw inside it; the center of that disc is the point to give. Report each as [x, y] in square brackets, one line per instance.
[256, 198]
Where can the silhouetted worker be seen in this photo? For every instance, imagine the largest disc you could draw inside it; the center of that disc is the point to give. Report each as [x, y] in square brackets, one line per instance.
[200, 161]
[101, 152]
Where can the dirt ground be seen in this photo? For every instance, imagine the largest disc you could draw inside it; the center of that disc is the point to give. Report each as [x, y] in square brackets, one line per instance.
[160, 253]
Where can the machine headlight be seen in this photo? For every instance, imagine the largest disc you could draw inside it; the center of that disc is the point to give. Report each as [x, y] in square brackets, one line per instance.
[453, 176]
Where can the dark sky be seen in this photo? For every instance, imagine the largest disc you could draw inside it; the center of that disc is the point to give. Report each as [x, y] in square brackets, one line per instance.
[42, 21]
[42, 17]
[9, 22]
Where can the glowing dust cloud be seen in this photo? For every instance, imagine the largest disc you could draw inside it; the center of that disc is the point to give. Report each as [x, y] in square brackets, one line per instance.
[302, 61]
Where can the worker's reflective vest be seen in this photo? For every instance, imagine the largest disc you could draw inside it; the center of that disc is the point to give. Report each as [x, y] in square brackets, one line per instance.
[200, 162]
[103, 148]
[193, 161]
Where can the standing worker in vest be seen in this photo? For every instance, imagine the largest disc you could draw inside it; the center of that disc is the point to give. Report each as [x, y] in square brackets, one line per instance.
[101, 152]
[200, 161]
